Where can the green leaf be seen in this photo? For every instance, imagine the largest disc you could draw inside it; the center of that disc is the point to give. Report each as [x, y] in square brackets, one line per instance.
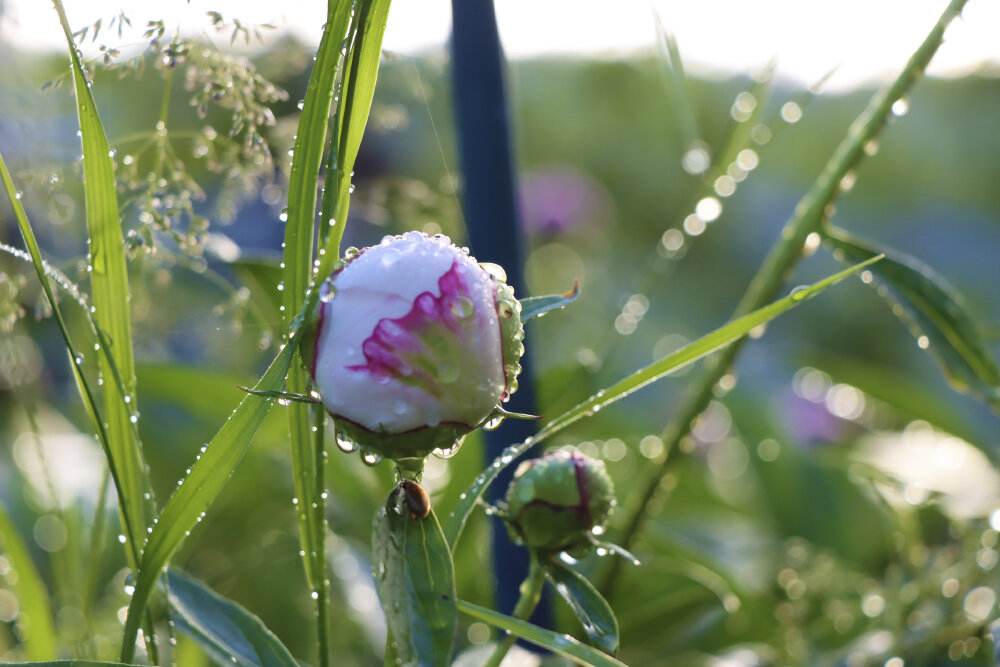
[30, 590]
[535, 306]
[110, 294]
[683, 102]
[357, 92]
[226, 631]
[591, 609]
[197, 491]
[89, 402]
[68, 663]
[688, 354]
[564, 645]
[310, 139]
[415, 579]
[932, 308]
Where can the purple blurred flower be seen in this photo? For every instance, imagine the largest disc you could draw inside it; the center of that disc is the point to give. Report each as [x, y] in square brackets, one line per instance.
[558, 200]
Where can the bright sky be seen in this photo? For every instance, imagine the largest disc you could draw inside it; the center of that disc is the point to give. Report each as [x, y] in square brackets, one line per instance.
[868, 39]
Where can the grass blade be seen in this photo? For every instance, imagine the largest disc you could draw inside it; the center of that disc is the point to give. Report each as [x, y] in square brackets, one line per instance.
[416, 582]
[564, 645]
[310, 140]
[358, 91]
[931, 308]
[89, 402]
[724, 335]
[226, 631]
[34, 599]
[671, 54]
[196, 492]
[68, 663]
[110, 294]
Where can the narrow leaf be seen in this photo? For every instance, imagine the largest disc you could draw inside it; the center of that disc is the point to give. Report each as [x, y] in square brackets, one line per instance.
[684, 104]
[30, 590]
[223, 628]
[564, 645]
[89, 402]
[415, 579]
[357, 93]
[68, 663]
[930, 307]
[110, 293]
[688, 354]
[197, 491]
[535, 306]
[591, 609]
[310, 140]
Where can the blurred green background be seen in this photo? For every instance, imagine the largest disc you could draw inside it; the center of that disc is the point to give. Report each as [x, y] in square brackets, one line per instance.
[836, 503]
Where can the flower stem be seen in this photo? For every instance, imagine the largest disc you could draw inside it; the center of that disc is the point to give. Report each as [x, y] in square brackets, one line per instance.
[531, 593]
[809, 215]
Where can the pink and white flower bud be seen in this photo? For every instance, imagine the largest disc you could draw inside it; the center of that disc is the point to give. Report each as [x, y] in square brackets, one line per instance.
[415, 345]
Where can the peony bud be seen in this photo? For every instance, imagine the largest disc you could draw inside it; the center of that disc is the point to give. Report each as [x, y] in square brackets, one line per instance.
[415, 345]
[554, 502]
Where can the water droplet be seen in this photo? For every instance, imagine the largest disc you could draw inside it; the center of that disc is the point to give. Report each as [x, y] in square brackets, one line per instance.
[799, 292]
[389, 256]
[461, 307]
[345, 444]
[494, 270]
[900, 107]
[370, 458]
[450, 451]
[493, 423]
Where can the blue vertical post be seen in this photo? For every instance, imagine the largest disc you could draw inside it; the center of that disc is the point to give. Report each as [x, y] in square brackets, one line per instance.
[489, 197]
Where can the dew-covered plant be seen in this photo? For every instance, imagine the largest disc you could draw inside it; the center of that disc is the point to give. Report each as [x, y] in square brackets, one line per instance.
[403, 351]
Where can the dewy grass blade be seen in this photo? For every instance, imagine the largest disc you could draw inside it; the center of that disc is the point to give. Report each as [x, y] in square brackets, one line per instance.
[684, 106]
[359, 89]
[564, 645]
[30, 590]
[688, 354]
[68, 663]
[89, 402]
[110, 294]
[196, 492]
[784, 254]
[310, 139]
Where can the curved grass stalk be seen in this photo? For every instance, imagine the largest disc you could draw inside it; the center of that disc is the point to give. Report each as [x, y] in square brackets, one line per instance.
[807, 218]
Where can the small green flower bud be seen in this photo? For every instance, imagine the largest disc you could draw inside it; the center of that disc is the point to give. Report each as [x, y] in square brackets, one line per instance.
[554, 502]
